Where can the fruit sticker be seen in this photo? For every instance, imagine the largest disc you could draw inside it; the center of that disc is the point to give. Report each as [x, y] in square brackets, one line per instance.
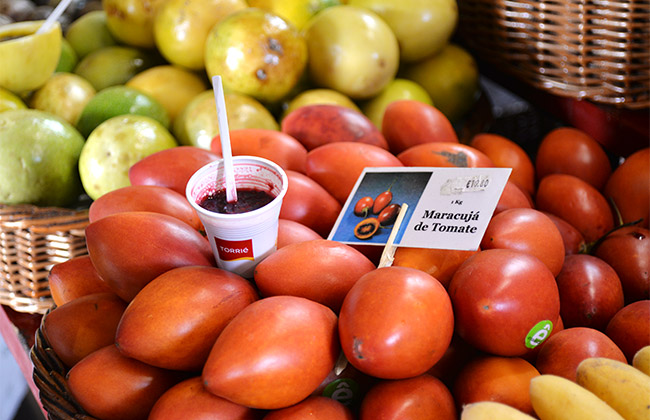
[443, 208]
[538, 333]
[344, 390]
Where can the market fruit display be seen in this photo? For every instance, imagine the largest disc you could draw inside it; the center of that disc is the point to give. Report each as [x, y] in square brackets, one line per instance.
[373, 325]
[322, 327]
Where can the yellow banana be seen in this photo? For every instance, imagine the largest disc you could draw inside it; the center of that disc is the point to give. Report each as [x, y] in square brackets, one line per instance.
[492, 410]
[622, 386]
[557, 398]
[641, 360]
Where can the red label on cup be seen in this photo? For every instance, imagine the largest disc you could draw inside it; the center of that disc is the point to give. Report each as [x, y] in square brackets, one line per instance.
[234, 250]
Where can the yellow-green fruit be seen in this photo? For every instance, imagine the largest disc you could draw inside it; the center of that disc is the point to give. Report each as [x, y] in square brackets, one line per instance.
[320, 96]
[119, 100]
[641, 360]
[68, 59]
[622, 386]
[131, 21]
[9, 101]
[114, 146]
[351, 50]
[492, 410]
[451, 78]
[88, 33]
[181, 28]
[256, 53]
[65, 95]
[422, 27]
[298, 12]
[397, 89]
[29, 59]
[172, 86]
[197, 124]
[558, 398]
[38, 159]
[116, 65]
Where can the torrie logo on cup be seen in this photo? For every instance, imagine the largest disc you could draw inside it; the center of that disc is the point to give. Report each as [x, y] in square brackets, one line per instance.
[234, 250]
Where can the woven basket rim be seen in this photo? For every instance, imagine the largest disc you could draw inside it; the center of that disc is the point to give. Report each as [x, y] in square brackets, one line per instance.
[32, 240]
[49, 377]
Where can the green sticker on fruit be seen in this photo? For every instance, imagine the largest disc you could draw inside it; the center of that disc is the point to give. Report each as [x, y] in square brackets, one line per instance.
[538, 333]
[344, 390]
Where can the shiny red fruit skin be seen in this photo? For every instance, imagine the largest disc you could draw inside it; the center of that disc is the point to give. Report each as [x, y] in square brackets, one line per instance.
[590, 292]
[499, 296]
[562, 352]
[171, 168]
[319, 124]
[568, 150]
[577, 202]
[629, 328]
[337, 166]
[629, 188]
[526, 230]
[395, 322]
[309, 203]
[627, 250]
[130, 249]
[409, 122]
[274, 353]
[420, 397]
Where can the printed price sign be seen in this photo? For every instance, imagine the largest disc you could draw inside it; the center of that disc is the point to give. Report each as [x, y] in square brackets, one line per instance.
[446, 208]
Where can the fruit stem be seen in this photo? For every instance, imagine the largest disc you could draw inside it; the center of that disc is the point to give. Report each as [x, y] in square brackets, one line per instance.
[591, 247]
[617, 212]
[391, 184]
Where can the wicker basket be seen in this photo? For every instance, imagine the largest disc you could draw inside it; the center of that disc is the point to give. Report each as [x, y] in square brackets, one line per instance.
[585, 49]
[49, 377]
[32, 240]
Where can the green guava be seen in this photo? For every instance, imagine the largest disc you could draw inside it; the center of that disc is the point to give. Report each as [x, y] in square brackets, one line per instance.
[197, 124]
[39, 153]
[114, 65]
[89, 33]
[119, 100]
[114, 146]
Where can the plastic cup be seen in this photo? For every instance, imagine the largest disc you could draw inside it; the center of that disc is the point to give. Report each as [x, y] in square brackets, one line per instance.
[240, 241]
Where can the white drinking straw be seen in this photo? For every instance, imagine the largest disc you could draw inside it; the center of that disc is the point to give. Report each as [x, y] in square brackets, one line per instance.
[224, 134]
[56, 13]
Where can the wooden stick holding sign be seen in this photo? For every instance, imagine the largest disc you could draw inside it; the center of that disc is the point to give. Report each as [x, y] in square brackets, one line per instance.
[388, 255]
